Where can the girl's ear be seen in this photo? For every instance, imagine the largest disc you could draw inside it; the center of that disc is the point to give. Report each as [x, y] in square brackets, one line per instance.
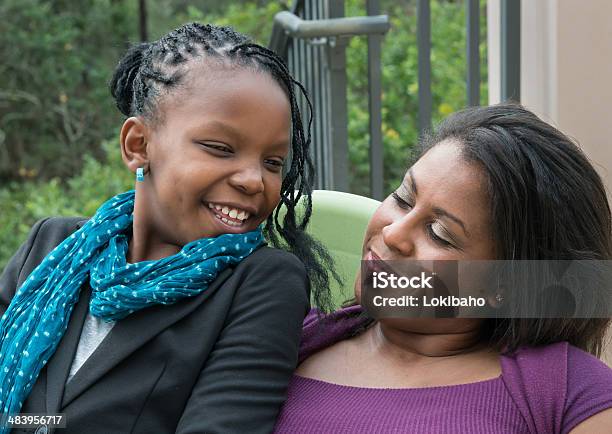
[133, 138]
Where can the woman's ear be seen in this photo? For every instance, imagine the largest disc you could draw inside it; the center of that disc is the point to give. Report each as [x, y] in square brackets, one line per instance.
[496, 301]
[133, 139]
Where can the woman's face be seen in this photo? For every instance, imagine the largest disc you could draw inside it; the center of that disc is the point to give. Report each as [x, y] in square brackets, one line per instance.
[215, 159]
[439, 212]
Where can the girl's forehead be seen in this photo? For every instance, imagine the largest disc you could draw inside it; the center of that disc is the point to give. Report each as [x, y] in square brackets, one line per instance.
[221, 82]
[249, 103]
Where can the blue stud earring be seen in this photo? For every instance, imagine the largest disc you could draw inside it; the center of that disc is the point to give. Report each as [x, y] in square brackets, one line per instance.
[140, 174]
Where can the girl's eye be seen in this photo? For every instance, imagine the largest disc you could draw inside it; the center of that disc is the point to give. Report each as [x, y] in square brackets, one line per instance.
[438, 234]
[403, 203]
[218, 148]
[274, 165]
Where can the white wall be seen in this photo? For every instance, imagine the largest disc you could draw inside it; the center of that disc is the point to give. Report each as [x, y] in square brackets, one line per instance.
[566, 72]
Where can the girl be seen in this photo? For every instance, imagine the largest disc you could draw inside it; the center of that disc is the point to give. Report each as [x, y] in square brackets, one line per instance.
[165, 312]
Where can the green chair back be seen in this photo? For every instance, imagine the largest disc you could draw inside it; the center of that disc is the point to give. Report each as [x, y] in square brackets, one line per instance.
[339, 221]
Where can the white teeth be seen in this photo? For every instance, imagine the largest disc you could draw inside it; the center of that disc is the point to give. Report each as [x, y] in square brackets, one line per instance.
[229, 222]
[234, 213]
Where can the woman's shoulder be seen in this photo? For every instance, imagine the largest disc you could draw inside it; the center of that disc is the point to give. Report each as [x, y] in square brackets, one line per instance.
[589, 386]
[557, 386]
[559, 358]
[320, 330]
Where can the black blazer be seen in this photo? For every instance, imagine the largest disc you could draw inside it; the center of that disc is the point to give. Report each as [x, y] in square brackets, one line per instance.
[219, 362]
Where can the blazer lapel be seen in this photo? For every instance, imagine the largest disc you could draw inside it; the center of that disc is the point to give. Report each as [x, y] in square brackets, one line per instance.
[131, 333]
[59, 365]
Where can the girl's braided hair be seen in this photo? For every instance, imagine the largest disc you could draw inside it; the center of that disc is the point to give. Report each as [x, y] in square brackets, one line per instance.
[151, 70]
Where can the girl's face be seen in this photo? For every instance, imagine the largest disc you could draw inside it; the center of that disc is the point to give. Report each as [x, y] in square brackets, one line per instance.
[439, 212]
[215, 156]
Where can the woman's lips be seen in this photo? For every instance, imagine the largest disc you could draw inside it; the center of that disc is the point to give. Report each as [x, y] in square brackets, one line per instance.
[375, 263]
[371, 256]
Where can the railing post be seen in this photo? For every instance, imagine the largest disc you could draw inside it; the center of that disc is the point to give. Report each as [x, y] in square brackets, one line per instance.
[375, 107]
[339, 116]
[472, 19]
[313, 37]
[510, 50]
[424, 48]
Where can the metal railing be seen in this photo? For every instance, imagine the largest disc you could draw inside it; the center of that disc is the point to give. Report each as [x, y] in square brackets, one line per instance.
[312, 38]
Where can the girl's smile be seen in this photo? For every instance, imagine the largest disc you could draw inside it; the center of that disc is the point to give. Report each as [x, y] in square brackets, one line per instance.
[233, 216]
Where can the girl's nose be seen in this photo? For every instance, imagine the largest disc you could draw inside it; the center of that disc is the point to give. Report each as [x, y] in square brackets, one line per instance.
[398, 235]
[249, 180]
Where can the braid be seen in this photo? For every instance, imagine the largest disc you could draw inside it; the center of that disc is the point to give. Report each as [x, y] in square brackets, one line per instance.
[297, 183]
[148, 70]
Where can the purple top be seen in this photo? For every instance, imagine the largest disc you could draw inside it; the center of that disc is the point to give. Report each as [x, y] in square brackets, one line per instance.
[547, 389]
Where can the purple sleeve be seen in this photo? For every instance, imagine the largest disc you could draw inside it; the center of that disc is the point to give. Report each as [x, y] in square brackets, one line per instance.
[589, 388]
[535, 378]
[321, 330]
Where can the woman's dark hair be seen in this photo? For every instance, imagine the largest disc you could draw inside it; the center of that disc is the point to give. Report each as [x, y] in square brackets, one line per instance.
[150, 70]
[547, 203]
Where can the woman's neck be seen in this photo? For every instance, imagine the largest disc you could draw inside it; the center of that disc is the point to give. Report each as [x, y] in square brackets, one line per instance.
[421, 342]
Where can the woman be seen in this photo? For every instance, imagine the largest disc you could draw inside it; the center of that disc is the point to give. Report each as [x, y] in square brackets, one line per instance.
[493, 183]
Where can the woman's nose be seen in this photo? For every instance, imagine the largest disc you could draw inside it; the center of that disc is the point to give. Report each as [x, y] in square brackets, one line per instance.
[249, 179]
[398, 236]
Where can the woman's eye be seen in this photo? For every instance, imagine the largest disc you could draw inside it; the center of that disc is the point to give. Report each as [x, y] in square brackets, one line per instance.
[403, 203]
[437, 234]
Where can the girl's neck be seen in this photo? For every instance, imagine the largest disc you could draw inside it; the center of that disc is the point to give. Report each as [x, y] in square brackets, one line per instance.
[142, 246]
[139, 251]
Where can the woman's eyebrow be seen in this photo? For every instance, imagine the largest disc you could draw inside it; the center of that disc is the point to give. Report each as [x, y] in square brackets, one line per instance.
[412, 185]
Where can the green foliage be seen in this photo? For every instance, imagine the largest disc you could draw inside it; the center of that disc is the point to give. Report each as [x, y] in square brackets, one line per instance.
[400, 83]
[25, 203]
[56, 60]
[249, 18]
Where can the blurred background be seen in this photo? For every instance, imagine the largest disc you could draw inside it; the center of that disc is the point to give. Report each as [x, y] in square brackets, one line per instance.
[59, 151]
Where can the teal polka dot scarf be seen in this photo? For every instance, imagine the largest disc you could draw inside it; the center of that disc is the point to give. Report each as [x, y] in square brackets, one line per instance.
[37, 318]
